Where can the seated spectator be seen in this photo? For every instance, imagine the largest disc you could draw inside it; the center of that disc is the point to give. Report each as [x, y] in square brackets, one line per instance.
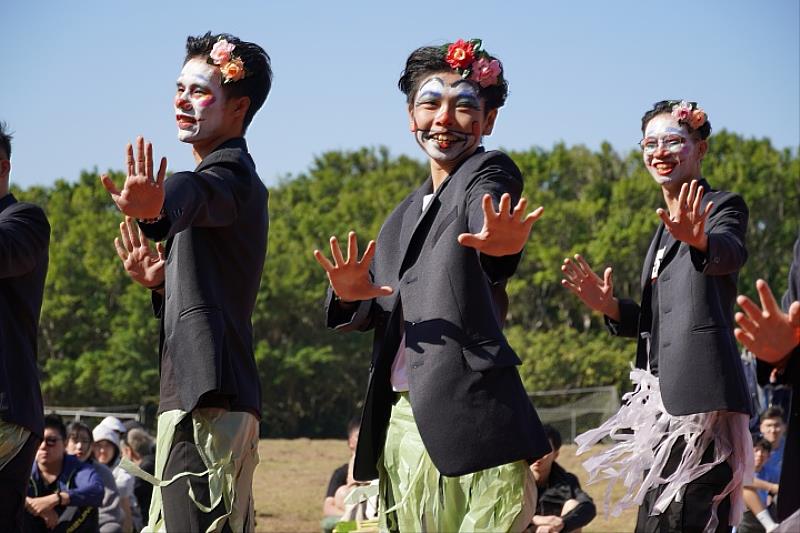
[757, 518]
[772, 429]
[107, 451]
[141, 452]
[561, 505]
[332, 510]
[64, 493]
[79, 444]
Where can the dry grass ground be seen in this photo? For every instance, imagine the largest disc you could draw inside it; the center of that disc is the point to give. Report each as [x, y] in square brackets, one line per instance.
[290, 484]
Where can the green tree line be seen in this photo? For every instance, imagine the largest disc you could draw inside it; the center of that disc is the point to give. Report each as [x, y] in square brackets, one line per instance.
[98, 338]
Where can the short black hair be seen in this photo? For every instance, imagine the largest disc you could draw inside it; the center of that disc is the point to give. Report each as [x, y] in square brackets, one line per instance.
[5, 139]
[76, 427]
[665, 106]
[761, 442]
[53, 421]
[429, 60]
[257, 81]
[771, 412]
[553, 436]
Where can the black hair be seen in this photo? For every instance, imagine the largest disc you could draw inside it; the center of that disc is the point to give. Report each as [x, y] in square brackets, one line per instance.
[761, 442]
[258, 69]
[5, 140]
[771, 412]
[665, 106]
[77, 427]
[53, 421]
[429, 60]
[353, 424]
[553, 436]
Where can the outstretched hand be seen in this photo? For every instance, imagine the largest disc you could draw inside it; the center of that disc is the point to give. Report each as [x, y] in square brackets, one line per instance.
[767, 331]
[689, 223]
[505, 231]
[350, 278]
[596, 293]
[143, 264]
[142, 195]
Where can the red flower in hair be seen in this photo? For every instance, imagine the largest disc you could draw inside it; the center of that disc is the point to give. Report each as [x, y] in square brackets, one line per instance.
[460, 54]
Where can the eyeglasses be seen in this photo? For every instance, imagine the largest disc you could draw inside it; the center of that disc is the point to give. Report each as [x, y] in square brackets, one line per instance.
[52, 441]
[672, 144]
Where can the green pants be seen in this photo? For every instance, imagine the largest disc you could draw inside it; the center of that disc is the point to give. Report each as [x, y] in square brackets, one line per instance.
[416, 497]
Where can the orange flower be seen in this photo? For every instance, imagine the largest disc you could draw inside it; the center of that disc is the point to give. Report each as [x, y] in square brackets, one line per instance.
[697, 119]
[460, 54]
[233, 70]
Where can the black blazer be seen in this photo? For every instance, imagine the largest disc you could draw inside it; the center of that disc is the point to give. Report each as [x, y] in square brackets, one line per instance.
[468, 400]
[24, 239]
[216, 230]
[699, 368]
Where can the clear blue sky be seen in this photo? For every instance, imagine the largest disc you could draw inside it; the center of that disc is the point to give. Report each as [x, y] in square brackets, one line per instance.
[81, 79]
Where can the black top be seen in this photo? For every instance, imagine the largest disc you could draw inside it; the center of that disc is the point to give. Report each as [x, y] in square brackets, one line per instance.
[338, 479]
[562, 486]
[24, 238]
[216, 231]
[665, 240]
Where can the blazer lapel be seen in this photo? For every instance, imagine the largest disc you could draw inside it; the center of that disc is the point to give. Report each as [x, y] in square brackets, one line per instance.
[651, 255]
[414, 217]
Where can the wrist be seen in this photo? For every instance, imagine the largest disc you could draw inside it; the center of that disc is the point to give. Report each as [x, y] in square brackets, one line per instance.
[153, 220]
[157, 286]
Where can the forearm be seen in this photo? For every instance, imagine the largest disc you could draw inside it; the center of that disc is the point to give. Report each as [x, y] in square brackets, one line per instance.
[752, 501]
[578, 517]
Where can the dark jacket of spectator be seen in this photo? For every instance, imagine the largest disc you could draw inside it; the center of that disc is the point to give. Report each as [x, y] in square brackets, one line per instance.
[562, 486]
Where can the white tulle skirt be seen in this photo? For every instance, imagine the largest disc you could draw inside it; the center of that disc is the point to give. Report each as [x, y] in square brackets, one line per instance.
[643, 434]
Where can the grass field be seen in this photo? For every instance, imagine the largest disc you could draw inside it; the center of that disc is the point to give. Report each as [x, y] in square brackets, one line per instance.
[291, 479]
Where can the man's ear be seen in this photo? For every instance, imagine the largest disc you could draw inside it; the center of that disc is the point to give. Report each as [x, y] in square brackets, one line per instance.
[412, 124]
[240, 106]
[702, 148]
[488, 122]
[5, 172]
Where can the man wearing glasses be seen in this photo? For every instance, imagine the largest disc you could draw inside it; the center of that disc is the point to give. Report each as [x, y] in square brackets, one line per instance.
[24, 238]
[64, 493]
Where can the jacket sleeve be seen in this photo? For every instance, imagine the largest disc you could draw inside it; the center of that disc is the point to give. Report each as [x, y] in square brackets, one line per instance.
[24, 237]
[726, 228]
[628, 325]
[209, 198]
[583, 513]
[494, 181]
[353, 316]
[88, 490]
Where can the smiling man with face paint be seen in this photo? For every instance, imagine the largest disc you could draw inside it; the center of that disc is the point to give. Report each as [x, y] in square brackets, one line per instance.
[693, 449]
[446, 418]
[204, 279]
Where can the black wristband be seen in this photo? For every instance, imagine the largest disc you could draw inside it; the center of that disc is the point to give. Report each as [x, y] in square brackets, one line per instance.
[58, 493]
[159, 286]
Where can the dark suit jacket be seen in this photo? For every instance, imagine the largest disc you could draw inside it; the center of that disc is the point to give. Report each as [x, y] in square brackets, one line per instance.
[468, 400]
[789, 495]
[216, 231]
[24, 238]
[698, 360]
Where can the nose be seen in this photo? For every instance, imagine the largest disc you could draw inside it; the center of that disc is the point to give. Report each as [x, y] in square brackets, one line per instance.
[443, 117]
[182, 100]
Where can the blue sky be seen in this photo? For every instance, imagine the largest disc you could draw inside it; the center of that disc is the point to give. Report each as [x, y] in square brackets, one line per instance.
[81, 79]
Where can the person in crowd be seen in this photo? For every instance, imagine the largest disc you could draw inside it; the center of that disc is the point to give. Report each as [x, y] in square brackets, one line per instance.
[332, 510]
[204, 280]
[757, 517]
[446, 417]
[64, 493]
[79, 444]
[561, 504]
[140, 451]
[107, 451]
[771, 429]
[24, 240]
[689, 413]
[772, 332]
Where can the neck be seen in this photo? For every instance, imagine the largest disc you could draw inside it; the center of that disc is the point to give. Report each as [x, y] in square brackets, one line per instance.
[439, 173]
[51, 470]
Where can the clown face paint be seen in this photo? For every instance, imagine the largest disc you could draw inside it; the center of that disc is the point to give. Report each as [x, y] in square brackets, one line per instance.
[447, 117]
[199, 109]
[670, 153]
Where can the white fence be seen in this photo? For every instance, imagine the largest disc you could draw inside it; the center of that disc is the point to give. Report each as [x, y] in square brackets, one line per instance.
[573, 411]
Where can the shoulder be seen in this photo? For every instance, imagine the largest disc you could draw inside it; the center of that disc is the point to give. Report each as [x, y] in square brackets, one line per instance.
[723, 198]
[233, 155]
[561, 476]
[27, 210]
[495, 161]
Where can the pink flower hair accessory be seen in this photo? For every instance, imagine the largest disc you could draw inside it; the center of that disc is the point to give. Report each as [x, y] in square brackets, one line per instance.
[231, 67]
[690, 114]
[472, 62]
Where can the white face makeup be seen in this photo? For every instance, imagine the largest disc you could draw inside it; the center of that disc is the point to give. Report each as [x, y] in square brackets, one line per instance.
[199, 99]
[669, 152]
[445, 113]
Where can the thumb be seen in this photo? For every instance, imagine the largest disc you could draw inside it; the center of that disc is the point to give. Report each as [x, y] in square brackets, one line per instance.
[470, 241]
[109, 186]
[607, 278]
[794, 314]
[161, 251]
